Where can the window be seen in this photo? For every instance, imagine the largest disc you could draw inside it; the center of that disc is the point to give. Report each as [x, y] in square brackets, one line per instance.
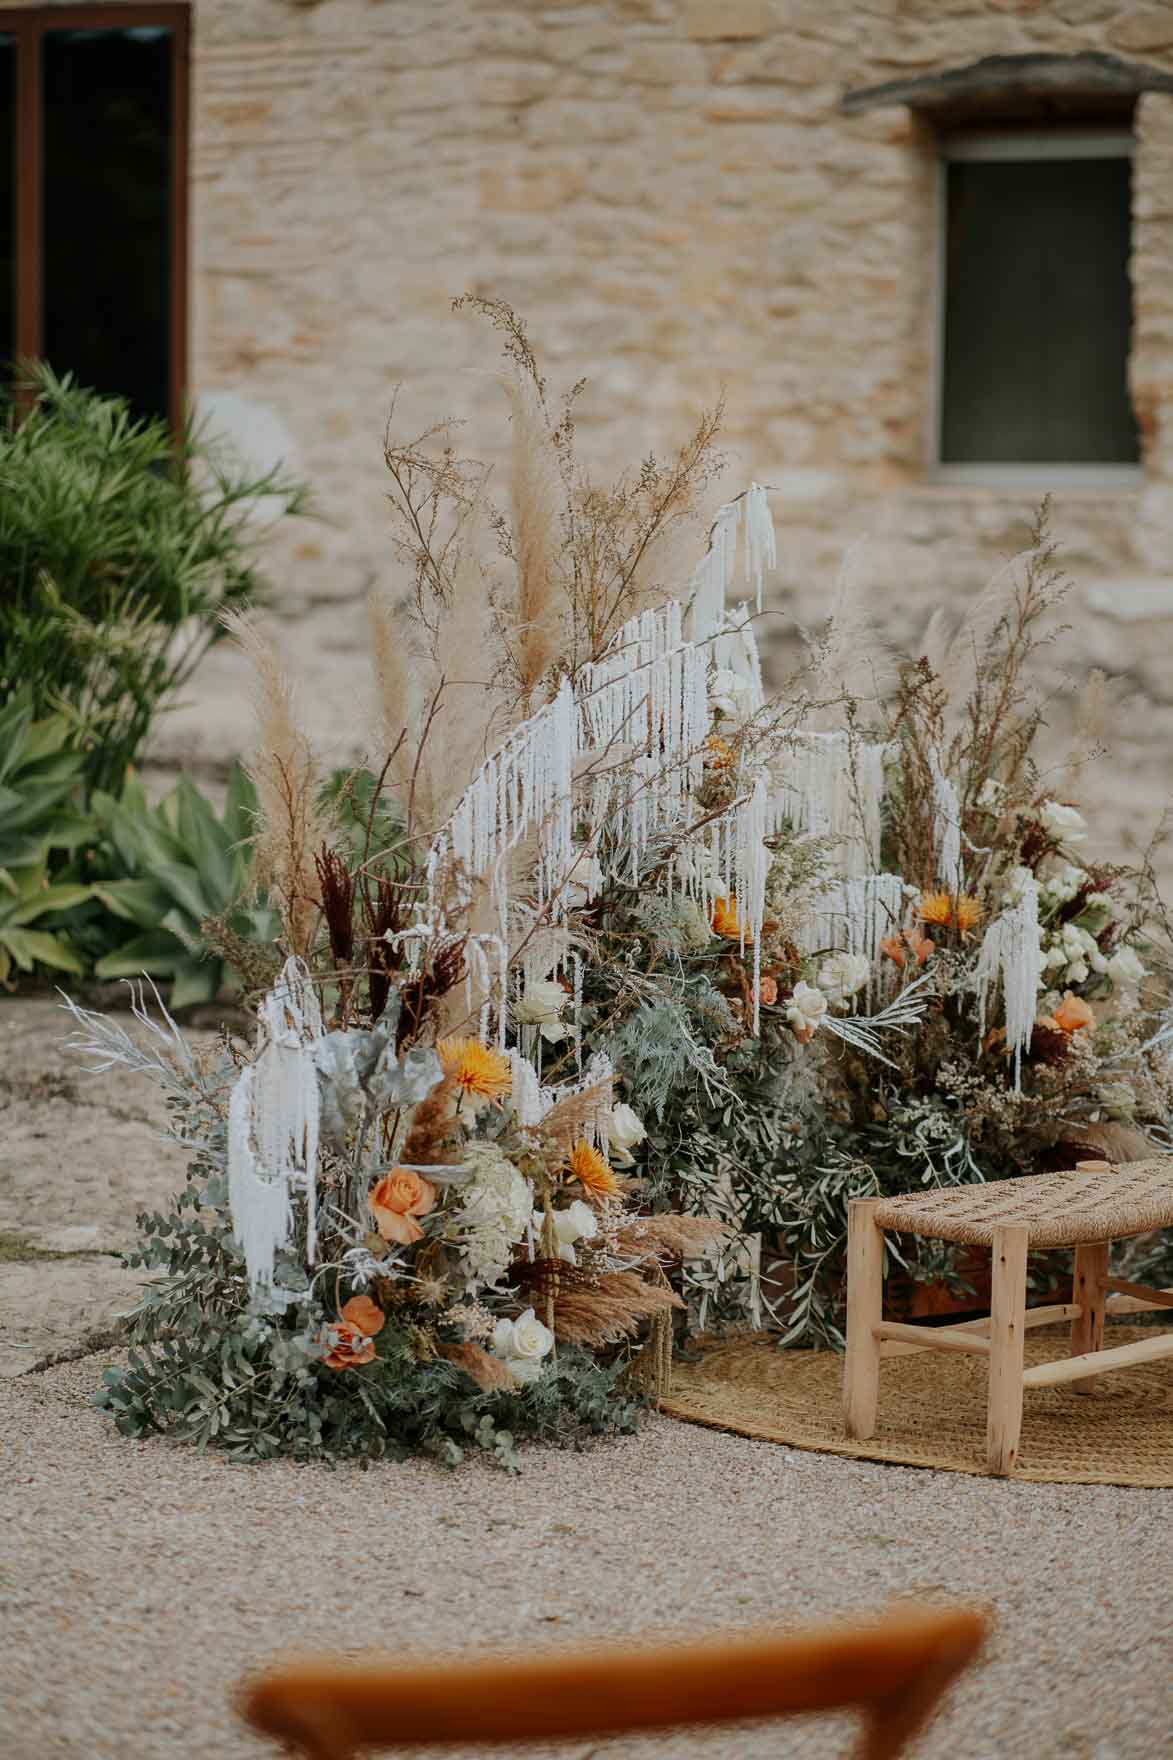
[1035, 305]
[93, 146]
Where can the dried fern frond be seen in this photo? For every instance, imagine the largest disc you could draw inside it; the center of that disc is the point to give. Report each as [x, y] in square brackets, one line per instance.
[285, 775]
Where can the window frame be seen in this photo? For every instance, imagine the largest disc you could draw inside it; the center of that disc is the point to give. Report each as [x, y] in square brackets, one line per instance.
[1046, 142]
[28, 25]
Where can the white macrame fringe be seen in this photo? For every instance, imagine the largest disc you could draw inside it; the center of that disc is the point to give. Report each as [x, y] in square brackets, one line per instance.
[1011, 956]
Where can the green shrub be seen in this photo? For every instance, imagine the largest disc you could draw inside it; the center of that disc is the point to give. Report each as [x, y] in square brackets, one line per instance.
[172, 870]
[39, 783]
[120, 546]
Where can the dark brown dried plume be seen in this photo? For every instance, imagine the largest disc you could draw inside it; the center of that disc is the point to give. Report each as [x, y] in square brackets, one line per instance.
[433, 1127]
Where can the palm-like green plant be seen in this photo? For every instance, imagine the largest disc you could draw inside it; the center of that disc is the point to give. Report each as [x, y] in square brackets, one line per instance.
[179, 867]
[39, 783]
[120, 545]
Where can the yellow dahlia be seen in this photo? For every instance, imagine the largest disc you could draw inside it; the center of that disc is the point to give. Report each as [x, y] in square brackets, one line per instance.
[474, 1068]
[588, 1167]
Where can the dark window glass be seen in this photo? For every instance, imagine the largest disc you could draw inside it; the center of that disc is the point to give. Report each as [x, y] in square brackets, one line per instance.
[7, 204]
[1037, 313]
[107, 257]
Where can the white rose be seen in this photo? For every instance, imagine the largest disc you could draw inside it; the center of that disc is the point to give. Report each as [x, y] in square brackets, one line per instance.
[540, 1005]
[521, 1344]
[843, 975]
[726, 690]
[1062, 823]
[1124, 968]
[807, 1006]
[624, 1130]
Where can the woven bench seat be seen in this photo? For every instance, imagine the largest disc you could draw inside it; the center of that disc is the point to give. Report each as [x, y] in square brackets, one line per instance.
[1087, 1208]
[1099, 1203]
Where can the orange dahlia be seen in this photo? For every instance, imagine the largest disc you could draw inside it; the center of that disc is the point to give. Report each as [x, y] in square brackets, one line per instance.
[589, 1168]
[475, 1069]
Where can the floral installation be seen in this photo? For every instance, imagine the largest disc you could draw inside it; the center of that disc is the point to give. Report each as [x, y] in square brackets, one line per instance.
[634, 980]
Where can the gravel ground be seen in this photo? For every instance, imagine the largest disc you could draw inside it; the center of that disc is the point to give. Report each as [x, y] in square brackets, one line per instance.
[138, 1581]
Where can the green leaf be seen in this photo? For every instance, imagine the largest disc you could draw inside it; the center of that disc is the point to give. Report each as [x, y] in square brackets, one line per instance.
[240, 808]
[49, 898]
[34, 946]
[205, 842]
[156, 952]
[183, 883]
[135, 901]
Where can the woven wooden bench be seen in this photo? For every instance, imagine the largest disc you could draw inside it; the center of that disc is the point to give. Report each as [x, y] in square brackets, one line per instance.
[1086, 1208]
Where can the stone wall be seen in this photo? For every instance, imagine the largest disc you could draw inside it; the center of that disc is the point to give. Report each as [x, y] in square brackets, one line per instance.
[671, 193]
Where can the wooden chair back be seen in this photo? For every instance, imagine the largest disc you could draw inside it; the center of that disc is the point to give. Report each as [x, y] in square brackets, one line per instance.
[894, 1673]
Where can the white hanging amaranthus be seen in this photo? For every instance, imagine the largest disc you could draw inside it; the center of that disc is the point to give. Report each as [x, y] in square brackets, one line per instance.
[833, 787]
[273, 1121]
[946, 826]
[1011, 955]
[761, 551]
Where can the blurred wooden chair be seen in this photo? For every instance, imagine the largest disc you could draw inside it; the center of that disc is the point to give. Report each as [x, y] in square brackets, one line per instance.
[894, 1673]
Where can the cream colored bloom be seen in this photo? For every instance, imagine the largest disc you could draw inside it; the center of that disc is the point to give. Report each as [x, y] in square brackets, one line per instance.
[624, 1130]
[841, 976]
[1062, 822]
[1124, 968]
[522, 1344]
[540, 1005]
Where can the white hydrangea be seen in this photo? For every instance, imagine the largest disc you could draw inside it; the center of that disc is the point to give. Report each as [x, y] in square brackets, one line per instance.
[1071, 955]
[495, 1213]
[1062, 883]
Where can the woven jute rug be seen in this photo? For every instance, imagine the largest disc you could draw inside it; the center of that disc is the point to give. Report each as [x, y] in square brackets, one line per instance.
[933, 1410]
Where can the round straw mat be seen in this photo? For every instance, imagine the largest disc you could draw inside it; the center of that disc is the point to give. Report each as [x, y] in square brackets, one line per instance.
[933, 1410]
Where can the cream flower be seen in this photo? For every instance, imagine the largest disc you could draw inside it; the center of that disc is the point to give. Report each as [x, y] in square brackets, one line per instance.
[805, 1010]
[540, 1005]
[1124, 968]
[624, 1130]
[1063, 823]
[576, 1223]
[522, 1344]
[841, 976]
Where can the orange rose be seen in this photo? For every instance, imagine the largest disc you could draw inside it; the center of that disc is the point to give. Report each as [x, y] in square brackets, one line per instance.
[395, 1202]
[1073, 1014]
[349, 1343]
[768, 992]
[898, 947]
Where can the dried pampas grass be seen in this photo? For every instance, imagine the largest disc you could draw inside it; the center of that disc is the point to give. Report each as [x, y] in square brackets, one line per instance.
[285, 774]
[670, 1237]
[611, 1310]
[537, 635]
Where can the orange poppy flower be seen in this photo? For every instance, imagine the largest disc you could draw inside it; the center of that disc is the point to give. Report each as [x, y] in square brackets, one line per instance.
[349, 1343]
[395, 1202]
[480, 1072]
[1073, 1014]
[589, 1168]
[724, 918]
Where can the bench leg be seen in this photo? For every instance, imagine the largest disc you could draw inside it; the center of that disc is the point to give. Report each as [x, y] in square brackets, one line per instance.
[1007, 1333]
[865, 1310]
[1087, 1329]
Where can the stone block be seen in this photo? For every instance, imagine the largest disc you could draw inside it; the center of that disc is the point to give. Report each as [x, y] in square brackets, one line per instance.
[721, 20]
[1149, 27]
[667, 64]
[529, 188]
